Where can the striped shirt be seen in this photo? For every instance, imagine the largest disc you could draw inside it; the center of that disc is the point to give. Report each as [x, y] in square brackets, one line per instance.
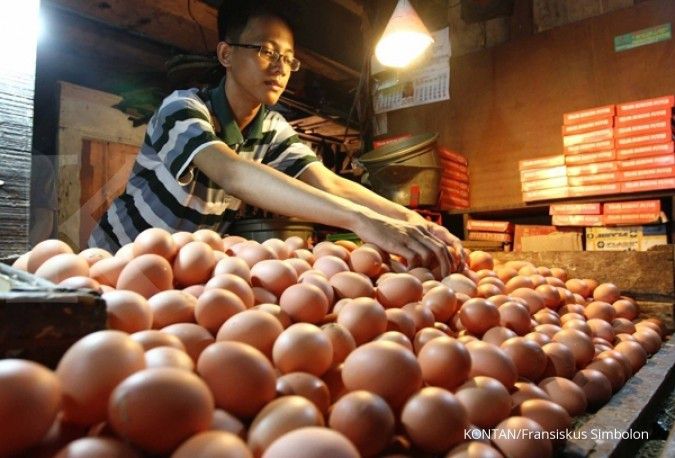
[166, 190]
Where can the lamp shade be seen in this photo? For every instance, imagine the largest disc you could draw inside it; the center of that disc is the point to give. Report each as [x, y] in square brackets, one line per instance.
[404, 39]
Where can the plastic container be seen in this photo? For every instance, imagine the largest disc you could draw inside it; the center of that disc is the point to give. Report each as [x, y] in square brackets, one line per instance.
[407, 172]
[261, 229]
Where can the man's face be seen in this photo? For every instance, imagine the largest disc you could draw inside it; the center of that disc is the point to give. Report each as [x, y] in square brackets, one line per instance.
[254, 76]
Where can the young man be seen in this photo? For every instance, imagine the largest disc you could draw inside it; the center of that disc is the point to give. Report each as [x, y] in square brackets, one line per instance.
[207, 151]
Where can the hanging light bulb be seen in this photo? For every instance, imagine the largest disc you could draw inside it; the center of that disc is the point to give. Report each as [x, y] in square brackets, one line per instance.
[404, 39]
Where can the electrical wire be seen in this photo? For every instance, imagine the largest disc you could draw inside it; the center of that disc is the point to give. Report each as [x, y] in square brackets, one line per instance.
[201, 29]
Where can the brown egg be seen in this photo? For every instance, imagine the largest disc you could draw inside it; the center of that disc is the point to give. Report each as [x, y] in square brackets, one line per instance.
[210, 237]
[528, 357]
[602, 310]
[596, 387]
[480, 260]
[327, 248]
[152, 338]
[158, 409]
[253, 327]
[634, 352]
[279, 417]
[474, 449]
[612, 368]
[235, 284]
[262, 296]
[485, 400]
[226, 422]
[279, 247]
[445, 362]
[168, 357]
[366, 260]
[351, 285]
[505, 273]
[421, 315]
[299, 265]
[364, 318]
[252, 252]
[422, 274]
[384, 368]
[579, 325]
[305, 255]
[565, 393]
[560, 360]
[81, 282]
[318, 279]
[273, 275]
[302, 347]
[127, 311]
[193, 264]
[578, 286]
[547, 316]
[579, 344]
[30, 398]
[240, 377]
[155, 241]
[304, 302]
[518, 282]
[365, 419]
[458, 283]
[398, 320]
[182, 238]
[147, 275]
[622, 326]
[341, 339]
[107, 271]
[510, 440]
[306, 385]
[333, 380]
[601, 328]
[650, 324]
[97, 447]
[295, 243]
[90, 370]
[397, 338]
[606, 292]
[215, 306]
[649, 339]
[524, 391]
[554, 281]
[434, 419]
[126, 252]
[534, 300]
[550, 296]
[194, 337]
[45, 250]
[514, 316]
[488, 360]
[478, 315]
[398, 290]
[92, 255]
[213, 444]
[172, 306]
[424, 336]
[497, 335]
[315, 442]
[625, 309]
[330, 265]
[539, 337]
[550, 416]
[63, 266]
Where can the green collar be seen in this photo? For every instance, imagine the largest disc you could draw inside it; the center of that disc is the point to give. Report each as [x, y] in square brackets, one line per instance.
[230, 132]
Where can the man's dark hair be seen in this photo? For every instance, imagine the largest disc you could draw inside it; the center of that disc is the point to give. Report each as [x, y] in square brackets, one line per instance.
[234, 15]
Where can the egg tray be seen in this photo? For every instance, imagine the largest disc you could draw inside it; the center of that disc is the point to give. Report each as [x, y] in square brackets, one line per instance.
[39, 320]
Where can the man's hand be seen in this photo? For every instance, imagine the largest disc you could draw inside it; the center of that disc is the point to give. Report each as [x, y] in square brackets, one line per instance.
[445, 236]
[414, 242]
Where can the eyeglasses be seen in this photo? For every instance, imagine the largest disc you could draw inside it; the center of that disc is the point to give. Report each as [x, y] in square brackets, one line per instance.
[271, 55]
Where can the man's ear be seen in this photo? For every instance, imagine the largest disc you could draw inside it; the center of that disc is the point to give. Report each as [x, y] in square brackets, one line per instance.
[224, 53]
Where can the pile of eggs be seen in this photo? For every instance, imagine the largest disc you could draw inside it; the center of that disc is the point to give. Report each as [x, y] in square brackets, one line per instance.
[230, 347]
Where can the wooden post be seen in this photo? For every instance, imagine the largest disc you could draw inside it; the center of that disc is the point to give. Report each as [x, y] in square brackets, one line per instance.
[18, 46]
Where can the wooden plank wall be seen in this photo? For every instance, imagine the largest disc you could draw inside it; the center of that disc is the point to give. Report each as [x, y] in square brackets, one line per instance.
[17, 80]
[507, 102]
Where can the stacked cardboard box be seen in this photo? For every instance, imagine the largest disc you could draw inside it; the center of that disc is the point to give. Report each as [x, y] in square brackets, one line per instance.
[613, 149]
[543, 178]
[490, 230]
[454, 180]
[529, 237]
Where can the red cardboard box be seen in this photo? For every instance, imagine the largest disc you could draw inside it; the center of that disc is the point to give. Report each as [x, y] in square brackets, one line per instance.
[454, 175]
[592, 208]
[449, 183]
[455, 167]
[453, 156]
[632, 218]
[632, 207]
[647, 162]
[647, 150]
[647, 174]
[548, 183]
[591, 169]
[594, 189]
[577, 117]
[577, 220]
[543, 174]
[639, 106]
[589, 158]
[648, 185]
[484, 225]
[541, 162]
[522, 230]
[449, 201]
[597, 178]
[602, 145]
[588, 137]
[491, 236]
[645, 139]
[456, 192]
[645, 117]
[643, 128]
[546, 194]
[589, 126]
